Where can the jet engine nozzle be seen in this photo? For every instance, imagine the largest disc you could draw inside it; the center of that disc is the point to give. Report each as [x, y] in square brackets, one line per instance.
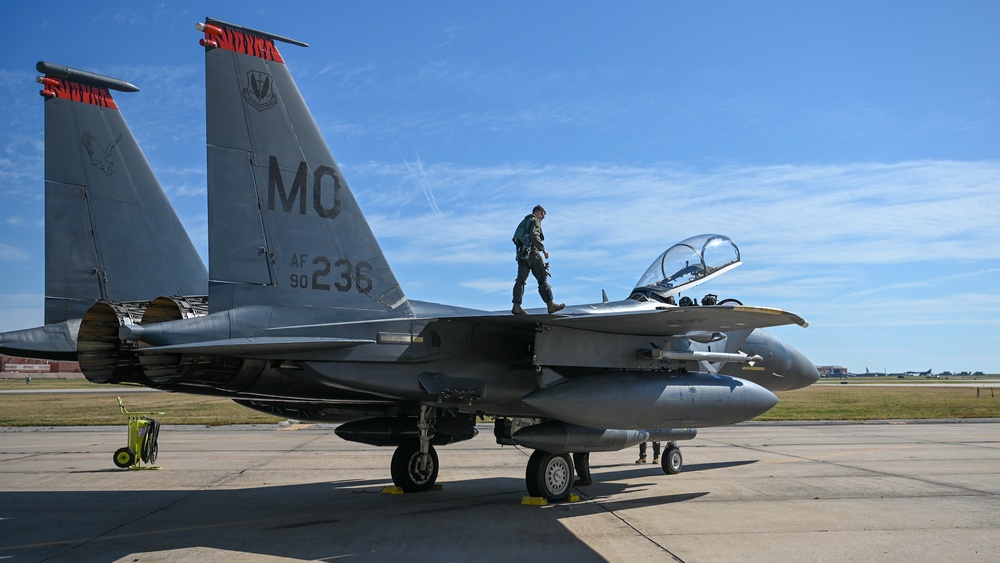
[110, 334]
[104, 357]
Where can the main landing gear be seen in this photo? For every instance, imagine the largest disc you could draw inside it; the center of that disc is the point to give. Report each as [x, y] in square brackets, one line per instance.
[550, 476]
[415, 463]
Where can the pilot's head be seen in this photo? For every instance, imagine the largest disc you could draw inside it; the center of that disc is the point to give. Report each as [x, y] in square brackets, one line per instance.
[538, 212]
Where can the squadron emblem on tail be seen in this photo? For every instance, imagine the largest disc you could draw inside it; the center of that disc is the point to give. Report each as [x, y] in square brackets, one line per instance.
[258, 92]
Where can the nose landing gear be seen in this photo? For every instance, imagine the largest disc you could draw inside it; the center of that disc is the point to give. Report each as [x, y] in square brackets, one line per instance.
[672, 461]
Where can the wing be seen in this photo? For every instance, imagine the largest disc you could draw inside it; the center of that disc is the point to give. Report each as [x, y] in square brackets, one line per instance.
[662, 321]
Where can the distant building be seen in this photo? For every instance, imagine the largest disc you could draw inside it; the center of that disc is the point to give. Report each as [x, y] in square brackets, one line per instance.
[11, 364]
[831, 371]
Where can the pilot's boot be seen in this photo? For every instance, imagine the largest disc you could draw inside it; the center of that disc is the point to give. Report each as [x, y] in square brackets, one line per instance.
[517, 310]
[546, 293]
[642, 459]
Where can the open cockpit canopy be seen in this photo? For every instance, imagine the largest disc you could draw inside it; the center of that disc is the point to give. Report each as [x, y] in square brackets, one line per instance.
[687, 264]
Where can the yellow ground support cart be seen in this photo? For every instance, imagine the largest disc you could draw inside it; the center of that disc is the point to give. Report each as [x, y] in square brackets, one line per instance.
[142, 433]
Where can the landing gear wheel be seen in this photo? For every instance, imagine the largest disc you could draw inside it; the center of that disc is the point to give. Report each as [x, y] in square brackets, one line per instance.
[124, 458]
[149, 447]
[672, 461]
[407, 472]
[549, 476]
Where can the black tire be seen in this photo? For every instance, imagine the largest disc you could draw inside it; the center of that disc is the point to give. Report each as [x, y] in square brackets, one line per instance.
[153, 450]
[530, 482]
[672, 461]
[149, 448]
[124, 457]
[152, 435]
[405, 473]
[549, 476]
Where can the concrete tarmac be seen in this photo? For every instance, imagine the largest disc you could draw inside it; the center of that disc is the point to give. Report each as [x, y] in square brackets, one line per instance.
[752, 492]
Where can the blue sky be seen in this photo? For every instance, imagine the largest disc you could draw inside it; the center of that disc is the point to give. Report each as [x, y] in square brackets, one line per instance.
[849, 148]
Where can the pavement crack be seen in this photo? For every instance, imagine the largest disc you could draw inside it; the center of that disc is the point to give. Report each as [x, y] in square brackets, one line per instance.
[629, 525]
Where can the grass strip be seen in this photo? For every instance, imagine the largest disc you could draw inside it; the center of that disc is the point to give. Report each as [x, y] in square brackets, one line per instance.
[835, 402]
[97, 409]
[885, 403]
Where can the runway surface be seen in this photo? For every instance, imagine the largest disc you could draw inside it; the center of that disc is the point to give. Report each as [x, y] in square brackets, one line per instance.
[752, 492]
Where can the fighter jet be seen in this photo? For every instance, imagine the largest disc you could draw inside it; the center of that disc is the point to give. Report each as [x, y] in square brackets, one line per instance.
[111, 235]
[306, 319]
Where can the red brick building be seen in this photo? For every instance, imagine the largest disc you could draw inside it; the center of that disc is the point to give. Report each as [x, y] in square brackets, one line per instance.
[28, 366]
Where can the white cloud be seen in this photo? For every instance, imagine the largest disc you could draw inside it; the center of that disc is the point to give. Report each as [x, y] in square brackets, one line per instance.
[489, 285]
[821, 215]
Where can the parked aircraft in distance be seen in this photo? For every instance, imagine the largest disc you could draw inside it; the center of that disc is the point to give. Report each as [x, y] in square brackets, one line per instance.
[868, 373]
[307, 320]
[111, 235]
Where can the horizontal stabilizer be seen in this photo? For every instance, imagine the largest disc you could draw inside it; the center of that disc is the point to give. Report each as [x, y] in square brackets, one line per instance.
[261, 347]
[56, 341]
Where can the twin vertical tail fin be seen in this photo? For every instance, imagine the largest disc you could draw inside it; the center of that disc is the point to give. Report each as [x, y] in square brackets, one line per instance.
[284, 227]
[110, 232]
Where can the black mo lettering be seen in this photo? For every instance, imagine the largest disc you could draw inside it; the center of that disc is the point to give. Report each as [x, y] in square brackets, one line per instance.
[326, 187]
[276, 184]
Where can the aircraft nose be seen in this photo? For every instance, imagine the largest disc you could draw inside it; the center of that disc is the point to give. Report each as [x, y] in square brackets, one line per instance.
[805, 372]
[792, 367]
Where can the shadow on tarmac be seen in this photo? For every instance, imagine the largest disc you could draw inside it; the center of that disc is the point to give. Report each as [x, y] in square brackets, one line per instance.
[478, 519]
[630, 471]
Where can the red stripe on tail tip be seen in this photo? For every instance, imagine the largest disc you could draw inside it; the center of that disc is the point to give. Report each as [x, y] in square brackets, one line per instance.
[68, 90]
[240, 42]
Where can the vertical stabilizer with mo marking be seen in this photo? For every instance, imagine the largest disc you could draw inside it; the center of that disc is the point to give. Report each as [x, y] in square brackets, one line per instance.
[284, 227]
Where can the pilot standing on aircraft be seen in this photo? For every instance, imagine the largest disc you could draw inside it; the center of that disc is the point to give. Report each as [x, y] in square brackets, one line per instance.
[528, 239]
